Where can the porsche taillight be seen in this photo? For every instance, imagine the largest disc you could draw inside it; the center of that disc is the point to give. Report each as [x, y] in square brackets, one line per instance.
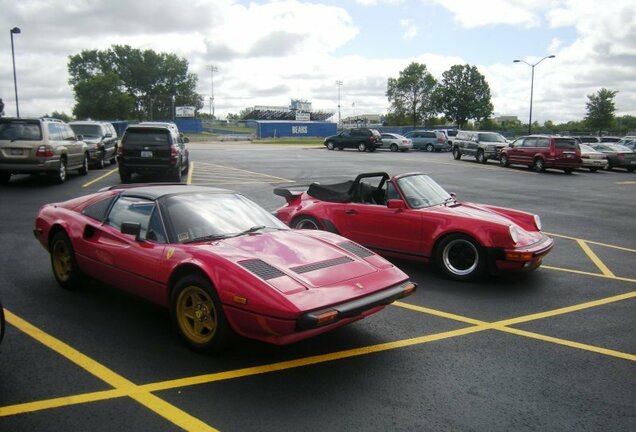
[44, 151]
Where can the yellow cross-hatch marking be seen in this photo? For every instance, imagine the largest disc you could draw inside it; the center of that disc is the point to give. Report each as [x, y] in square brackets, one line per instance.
[208, 173]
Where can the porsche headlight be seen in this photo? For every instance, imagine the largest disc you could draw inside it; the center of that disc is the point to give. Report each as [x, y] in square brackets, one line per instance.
[537, 222]
[513, 233]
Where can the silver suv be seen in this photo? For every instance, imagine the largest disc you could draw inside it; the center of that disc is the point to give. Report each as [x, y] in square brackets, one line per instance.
[40, 146]
[481, 145]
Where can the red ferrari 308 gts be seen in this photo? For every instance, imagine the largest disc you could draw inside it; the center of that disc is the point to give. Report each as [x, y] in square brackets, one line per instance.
[410, 216]
[221, 263]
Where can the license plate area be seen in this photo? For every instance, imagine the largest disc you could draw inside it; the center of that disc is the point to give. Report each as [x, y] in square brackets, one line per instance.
[16, 152]
[146, 154]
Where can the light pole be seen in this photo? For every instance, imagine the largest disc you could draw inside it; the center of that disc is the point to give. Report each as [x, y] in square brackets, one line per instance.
[212, 69]
[532, 86]
[15, 30]
[339, 84]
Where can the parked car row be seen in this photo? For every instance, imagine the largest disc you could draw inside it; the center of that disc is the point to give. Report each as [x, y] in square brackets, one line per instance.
[53, 148]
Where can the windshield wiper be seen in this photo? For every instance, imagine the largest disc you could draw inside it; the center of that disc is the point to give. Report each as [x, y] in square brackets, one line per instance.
[207, 238]
[449, 200]
[250, 230]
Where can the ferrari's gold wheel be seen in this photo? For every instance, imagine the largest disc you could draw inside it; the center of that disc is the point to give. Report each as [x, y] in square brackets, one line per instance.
[65, 268]
[61, 256]
[196, 314]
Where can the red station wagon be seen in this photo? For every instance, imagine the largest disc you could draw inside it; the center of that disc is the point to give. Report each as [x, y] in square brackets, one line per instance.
[543, 151]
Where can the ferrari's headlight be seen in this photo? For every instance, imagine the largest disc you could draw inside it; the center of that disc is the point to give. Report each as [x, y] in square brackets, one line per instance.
[537, 222]
[513, 233]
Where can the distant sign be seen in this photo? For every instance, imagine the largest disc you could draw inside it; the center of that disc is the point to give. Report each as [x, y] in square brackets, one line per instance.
[303, 116]
[299, 130]
[184, 111]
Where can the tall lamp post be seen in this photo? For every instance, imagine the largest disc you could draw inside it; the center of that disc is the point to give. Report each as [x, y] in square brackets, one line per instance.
[15, 30]
[532, 86]
[339, 84]
[212, 69]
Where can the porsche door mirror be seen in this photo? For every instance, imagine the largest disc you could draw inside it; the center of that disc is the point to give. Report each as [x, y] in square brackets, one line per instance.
[132, 228]
[395, 204]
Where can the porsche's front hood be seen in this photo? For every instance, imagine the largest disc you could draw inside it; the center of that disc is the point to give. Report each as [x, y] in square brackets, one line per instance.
[474, 211]
[312, 261]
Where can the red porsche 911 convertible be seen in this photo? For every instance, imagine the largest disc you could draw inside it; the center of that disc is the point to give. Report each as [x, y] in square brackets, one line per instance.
[410, 216]
[218, 261]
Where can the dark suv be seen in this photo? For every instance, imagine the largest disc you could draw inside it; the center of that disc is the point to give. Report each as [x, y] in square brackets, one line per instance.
[101, 138]
[361, 138]
[152, 149]
[543, 151]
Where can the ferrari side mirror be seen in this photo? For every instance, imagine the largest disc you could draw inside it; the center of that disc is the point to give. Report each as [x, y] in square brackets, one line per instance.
[395, 204]
[132, 228]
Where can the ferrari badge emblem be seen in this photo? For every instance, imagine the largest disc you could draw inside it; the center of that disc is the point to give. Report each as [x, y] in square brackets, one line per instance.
[169, 253]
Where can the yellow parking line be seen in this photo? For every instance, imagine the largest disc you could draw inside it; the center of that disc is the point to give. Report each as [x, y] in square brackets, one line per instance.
[592, 242]
[154, 403]
[595, 259]
[584, 273]
[99, 178]
[189, 179]
[567, 343]
[438, 313]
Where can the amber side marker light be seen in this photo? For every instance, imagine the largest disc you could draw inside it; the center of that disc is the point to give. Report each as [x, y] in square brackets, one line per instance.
[240, 300]
[326, 317]
[519, 256]
[408, 289]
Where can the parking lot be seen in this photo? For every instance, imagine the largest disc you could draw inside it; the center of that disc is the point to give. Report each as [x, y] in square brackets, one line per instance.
[552, 350]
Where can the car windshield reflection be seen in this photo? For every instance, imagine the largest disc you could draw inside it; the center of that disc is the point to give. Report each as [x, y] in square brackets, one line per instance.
[422, 191]
[208, 216]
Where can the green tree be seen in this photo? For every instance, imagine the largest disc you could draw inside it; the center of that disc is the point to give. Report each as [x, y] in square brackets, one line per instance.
[600, 109]
[101, 98]
[411, 94]
[154, 82]
[463, 94]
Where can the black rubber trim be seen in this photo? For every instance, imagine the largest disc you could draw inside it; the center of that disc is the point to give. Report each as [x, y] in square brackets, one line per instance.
[352, 308]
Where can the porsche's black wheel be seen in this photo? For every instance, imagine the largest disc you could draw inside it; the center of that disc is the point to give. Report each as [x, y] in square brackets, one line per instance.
[362, 147]
[503, 160]
[197, 314]
[65, 268]
[306, 222]
[460, 257]
[84, 168]
[330, 145]
[538, 165]
[456, 153]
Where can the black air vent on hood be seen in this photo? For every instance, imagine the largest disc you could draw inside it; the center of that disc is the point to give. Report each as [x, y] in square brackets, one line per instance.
[262, 269]
[321, 265]
[356, 249]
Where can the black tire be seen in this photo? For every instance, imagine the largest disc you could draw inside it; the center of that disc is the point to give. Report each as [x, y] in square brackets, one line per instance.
[503, 160]
[593, 169]
[124, 175]
[186, 167]
[481, 157]
[456, 153]
[198, 316]
[59, 176]
[176, 176]
[394, 147]
[65, 269]
[430, 148]
[330, 145]
[372, 149]
[538, 165]
[568, 170]
[630, 169]
[306, 222]
[609, 167]
[340, 149]
[83, 170]
[460, 257]
[362, 147]
[5, 177]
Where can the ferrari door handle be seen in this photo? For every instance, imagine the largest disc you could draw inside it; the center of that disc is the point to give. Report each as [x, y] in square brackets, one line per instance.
[351, 211]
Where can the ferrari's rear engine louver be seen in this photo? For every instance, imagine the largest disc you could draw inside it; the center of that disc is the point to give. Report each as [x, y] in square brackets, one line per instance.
[321, 265]
[262, 269]
[356, 249]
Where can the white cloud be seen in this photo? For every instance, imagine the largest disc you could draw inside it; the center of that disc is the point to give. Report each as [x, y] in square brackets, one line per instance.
[471, 14]
[410, 29]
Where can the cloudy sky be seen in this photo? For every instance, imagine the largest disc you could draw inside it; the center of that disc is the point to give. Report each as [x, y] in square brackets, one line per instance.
[268, 52]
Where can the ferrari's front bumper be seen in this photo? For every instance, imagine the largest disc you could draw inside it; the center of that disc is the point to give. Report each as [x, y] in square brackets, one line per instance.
[518, 259]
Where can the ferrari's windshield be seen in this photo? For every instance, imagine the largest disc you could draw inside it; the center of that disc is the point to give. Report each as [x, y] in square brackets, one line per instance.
[207, 216]
[422, 191]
